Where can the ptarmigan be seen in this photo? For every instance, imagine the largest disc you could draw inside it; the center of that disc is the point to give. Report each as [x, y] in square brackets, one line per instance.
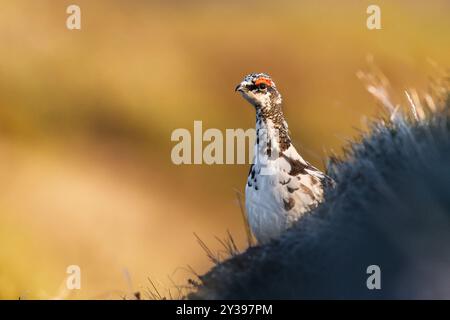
[281, 185]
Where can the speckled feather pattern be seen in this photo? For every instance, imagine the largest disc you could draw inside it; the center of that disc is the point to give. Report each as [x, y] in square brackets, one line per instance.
[281, 185]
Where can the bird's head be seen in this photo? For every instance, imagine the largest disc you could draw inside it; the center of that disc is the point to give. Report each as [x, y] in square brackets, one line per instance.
[260, 90]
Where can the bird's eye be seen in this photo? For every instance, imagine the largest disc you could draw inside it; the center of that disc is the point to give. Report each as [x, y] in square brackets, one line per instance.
[262, 86]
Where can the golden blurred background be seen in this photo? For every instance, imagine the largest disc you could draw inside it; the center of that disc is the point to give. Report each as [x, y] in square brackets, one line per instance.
[86, 117]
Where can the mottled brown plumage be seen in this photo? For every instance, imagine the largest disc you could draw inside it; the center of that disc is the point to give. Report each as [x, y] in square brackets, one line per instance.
[281, 185]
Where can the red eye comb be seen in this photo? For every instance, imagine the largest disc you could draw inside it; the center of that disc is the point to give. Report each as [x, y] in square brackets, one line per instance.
[264, 80]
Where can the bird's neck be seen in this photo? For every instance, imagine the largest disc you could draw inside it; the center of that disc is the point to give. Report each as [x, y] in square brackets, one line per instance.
[272, 136]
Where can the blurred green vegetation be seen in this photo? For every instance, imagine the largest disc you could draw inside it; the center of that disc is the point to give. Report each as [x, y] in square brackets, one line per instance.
[86, 118]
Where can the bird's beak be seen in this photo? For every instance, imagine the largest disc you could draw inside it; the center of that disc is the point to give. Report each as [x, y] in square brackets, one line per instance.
[241, 87]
